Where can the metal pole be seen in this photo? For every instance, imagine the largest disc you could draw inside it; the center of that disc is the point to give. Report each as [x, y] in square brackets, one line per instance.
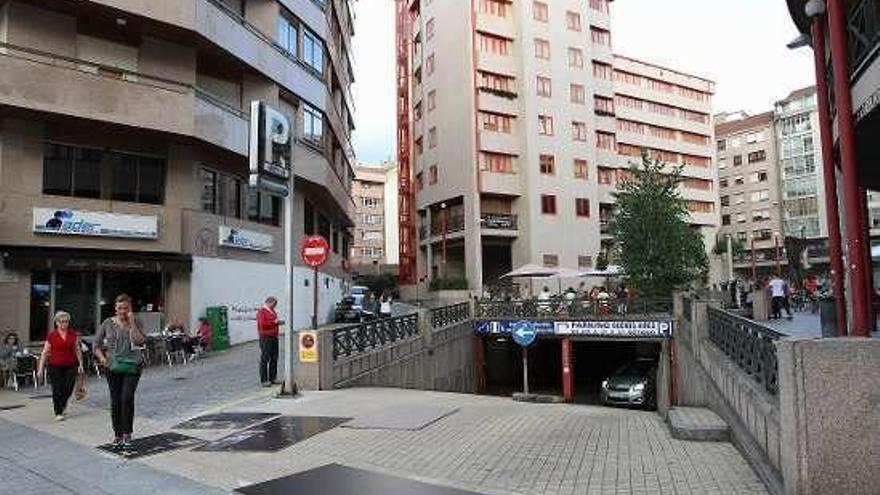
[315, 301]
[289, 351]
[525, 361]
[848, 166]
[832, 214]
[776, 247]
[754, 266]
[445, 227]
[729, 259]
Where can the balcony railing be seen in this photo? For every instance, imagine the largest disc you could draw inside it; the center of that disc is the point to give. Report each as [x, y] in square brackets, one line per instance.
[748, 344]
[356, 339]
[455, 223]
[499, 221]
[560, 308]
[863, 27]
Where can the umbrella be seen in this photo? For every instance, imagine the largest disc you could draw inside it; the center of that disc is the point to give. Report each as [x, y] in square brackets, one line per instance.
[531, 270]
[609, 271]
[562, 273]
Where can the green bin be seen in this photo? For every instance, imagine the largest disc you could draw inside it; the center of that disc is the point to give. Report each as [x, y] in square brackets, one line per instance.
[218, 318]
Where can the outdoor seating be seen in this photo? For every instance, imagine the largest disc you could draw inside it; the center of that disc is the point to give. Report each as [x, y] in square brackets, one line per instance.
[25, 368]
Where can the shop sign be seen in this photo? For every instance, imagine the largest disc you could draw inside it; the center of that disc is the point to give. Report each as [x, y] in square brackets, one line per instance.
[505, 327]
[245, 239]
[94, 223]
[269, 149]
[616, 328]
[308, 347]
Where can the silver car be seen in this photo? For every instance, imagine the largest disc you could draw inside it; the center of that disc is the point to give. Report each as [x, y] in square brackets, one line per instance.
[633, 384]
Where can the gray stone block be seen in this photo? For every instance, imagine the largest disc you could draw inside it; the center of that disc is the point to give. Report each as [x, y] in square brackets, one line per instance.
[697, 424]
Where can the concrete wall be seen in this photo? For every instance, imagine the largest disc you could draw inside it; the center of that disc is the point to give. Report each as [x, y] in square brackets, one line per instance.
[829, 394]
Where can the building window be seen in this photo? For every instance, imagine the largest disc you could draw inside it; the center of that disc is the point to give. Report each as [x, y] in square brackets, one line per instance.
[540, 11]
[309, 227]
[605, 175]
[494, 44]
[739, 198]
[582, 207]
[72, 171]
[603, 71]
[600, 36]
[581, 170]
[599, 6]
[722, 144]
[603, 106]
[288, 34]
[575, 58]
[496, 82]
[548, 204]
[222, 194]
[605, 140]
[760, 215]
[547, 164]
[725, 200]
[578, 93]
[432, 138]
[264, 208]
[737, 160]
[545, 86]
[573, 21]
[494, 122]
[757, 156]
[579, 131]
[432, 100]
[497, 8]
[725, 219]
[371, 202]
[369, 219]
[585, 262]
[763, 234]
[550, 260]
[542, 49]
[722, 183]
[371, 235]
[429, 29]
[429, 64]
[313, 125]
[313, 51]
[420, 181]
[497, 162]
[545, 125]
[432, 175]
[738, 180]
[759, 196]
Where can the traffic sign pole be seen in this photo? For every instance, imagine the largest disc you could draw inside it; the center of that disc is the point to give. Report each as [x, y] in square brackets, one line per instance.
[314, 252]
[525, 355]
[289, 387]
[315, 302]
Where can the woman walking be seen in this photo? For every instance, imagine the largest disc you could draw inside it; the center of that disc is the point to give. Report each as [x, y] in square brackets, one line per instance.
[119, 348]
[63, 354]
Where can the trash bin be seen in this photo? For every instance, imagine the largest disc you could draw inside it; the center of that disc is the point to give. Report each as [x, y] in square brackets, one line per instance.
[828, 317]
[218, 318]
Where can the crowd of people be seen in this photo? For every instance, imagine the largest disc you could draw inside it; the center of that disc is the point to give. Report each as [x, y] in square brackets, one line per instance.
[785, 295]
[607, 300]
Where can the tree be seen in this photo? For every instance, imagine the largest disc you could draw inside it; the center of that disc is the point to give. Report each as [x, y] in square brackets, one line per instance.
[659, 251]
[736, 247]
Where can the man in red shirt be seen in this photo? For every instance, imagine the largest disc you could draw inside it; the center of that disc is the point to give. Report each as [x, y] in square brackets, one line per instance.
[267, 328]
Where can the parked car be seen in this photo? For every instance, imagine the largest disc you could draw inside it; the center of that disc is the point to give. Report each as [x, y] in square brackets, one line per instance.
[358, 293]
[633, 384]
[347, 311]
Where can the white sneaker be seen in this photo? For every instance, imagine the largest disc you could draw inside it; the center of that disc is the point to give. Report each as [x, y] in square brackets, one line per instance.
[59, 417]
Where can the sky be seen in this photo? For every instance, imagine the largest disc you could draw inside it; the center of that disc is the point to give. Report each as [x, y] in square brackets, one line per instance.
[738, 44]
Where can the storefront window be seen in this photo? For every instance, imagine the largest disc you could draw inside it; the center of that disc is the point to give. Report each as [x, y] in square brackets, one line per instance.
[41, 300]
[264, 208]
[75, 293]
[145, 290]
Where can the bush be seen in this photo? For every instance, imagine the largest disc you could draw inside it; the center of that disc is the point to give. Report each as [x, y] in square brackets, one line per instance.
[452, 283]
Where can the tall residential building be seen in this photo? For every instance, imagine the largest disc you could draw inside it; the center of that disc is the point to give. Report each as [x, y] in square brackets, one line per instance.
[748, 185]
[368, 193]
[800, 160]
[522, 121]
[124, 157]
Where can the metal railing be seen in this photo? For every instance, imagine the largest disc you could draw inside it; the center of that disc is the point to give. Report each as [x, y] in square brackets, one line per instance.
[355, 339]
[748, 344]
[450, 315]
[863, 28]
[501, 221]
[686, 307]
[564, 309]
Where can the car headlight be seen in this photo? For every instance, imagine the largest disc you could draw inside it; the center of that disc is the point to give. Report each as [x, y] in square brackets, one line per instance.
[604, 383]
[638, 387]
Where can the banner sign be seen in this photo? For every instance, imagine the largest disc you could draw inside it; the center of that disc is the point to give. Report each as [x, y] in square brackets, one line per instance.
[625, 328]
[95, 223]
[269, 149]
[504, 327]
[308, 347]
[245, 239]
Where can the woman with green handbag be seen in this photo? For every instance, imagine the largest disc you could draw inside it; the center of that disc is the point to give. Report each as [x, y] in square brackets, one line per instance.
[118, 347]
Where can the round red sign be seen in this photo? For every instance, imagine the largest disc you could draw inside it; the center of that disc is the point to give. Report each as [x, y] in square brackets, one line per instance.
[314, 250]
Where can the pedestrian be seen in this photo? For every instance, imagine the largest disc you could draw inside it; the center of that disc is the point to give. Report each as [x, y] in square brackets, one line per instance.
[778, 293]
[64, 357]
[385, 305]
[8, 349]
[204, 335]
[622, 300]
[267, 328]
[119, 345]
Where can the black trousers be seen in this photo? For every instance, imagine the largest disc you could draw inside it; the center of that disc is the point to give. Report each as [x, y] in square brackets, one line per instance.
[268, 359]
[122, 389]
[63, 380]
[776, 307]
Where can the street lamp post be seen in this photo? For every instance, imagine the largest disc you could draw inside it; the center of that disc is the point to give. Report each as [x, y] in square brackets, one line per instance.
[729, 259]
[754, 265]
[444, 226]
[776, 247]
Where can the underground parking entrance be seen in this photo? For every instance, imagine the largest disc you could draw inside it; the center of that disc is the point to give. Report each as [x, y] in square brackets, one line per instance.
[614, 363]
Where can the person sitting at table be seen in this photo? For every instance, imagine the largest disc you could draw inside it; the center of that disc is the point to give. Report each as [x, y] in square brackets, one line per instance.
[175, 329]
[8, 349]
[204, 335]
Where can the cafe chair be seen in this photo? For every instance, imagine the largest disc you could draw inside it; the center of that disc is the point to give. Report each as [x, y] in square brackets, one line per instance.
[25, 368]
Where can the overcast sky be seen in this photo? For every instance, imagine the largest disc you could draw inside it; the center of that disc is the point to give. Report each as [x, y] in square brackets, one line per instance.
[739, 44]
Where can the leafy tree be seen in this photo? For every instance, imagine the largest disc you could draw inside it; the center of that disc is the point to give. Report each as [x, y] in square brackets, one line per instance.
[736, 247]
[658, 249]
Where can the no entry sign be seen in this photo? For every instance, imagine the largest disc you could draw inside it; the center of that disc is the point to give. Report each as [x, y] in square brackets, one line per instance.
[314, 250]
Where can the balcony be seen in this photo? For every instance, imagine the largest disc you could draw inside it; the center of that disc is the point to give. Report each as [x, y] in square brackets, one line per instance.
[498, 221]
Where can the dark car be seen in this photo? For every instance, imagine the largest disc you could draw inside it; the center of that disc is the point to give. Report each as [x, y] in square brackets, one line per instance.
[633, 384]
[347, 311]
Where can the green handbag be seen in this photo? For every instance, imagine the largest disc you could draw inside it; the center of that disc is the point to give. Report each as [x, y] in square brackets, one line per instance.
[125, 365]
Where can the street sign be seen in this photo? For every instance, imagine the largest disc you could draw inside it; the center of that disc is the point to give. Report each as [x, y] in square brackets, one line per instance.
[314, 251]
[524, 333]
[269, 150]
[308, 347]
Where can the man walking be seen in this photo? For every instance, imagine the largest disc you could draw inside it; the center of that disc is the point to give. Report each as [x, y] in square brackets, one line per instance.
[778, 293]
[267, 328]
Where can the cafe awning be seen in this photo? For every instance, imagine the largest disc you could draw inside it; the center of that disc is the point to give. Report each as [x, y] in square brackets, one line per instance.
[48, 258]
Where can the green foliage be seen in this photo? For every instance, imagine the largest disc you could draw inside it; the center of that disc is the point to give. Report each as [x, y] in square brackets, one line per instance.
[452, 283]
[736, 247]
[658, 249]
[602, 261]
[378, 283]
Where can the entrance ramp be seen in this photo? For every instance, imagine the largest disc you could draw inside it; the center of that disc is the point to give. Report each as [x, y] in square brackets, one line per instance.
[697, 424]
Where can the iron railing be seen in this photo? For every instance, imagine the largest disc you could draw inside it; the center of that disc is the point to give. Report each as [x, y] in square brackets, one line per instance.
[500, 221]
[450, 315]
[562, 309]
[686, 307]
[863, 29]
[748, 344]
[355, 339]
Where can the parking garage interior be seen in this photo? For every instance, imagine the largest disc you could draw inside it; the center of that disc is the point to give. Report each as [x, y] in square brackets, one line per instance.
[596, 360]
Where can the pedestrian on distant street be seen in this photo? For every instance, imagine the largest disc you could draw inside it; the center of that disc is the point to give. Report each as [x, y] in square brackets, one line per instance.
[267, 328]
[63, 354]
[622, 300]
[778, 294]
[119, 346]
[385, 305]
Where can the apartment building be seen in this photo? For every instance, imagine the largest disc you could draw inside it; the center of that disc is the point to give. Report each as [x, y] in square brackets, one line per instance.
[124, 157]
[522, 122]
[748, 185]
[368, 193]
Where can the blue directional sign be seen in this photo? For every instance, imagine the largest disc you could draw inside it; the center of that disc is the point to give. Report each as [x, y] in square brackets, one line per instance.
[524, 333]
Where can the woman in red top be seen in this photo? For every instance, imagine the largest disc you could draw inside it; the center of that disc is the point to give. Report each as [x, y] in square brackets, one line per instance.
[64, 356]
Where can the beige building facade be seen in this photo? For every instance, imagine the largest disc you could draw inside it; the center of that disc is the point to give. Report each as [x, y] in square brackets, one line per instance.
[368, 194]
[124, 157]
[523, 121]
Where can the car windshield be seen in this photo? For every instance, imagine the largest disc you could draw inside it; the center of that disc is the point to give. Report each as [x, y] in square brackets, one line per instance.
[358, 291]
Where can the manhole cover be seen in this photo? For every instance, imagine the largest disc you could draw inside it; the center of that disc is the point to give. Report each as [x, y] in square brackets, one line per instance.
[226, 421]
[274, 435]
[156, 444]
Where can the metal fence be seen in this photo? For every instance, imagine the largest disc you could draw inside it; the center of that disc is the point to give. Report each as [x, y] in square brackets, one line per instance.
[686, 307]
[450, 315]
[748, 344]
[355, 339]
[561, 308]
